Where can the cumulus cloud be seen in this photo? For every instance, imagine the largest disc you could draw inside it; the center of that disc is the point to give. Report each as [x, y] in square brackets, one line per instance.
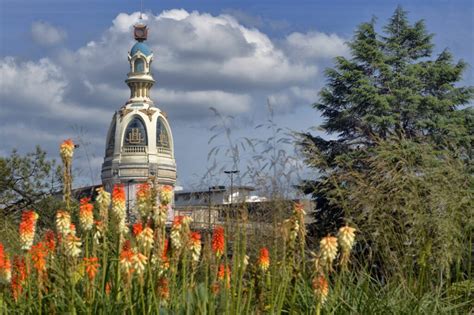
[47, 34]
[315, 45]
[200, 61]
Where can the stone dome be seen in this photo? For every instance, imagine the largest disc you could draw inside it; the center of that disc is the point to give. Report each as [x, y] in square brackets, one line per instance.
[141, 47]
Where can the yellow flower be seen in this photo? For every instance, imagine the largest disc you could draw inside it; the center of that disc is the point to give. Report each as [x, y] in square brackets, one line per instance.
[346, 237]
[166, 193]
[67, 149]
[195, 246]
[86, 214]
[139, 262]
[328, 250]
[103, 203]
[72, 245]
[28, 229]
[145, 238]
[63, 222]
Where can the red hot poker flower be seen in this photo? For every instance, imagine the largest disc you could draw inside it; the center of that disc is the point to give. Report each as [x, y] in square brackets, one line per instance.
[28, 228]
[50, 241]
[264, 259]
[86, 214]
[92, 266]
[118, 194]
[218, 241]
[19, 276]
[137, 228]
[223, 274]
[143, 191]
[39, 252]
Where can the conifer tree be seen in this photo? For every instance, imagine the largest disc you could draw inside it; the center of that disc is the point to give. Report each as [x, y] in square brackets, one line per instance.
[392, 87]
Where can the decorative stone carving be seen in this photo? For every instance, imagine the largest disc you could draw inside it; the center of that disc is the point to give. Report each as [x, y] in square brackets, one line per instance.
[124, 111]
[149, 112]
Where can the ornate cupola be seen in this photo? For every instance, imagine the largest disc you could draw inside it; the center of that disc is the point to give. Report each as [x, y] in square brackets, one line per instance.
[139, 143]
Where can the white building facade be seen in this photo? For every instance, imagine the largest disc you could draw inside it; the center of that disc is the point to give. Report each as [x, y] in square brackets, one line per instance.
[139, 144]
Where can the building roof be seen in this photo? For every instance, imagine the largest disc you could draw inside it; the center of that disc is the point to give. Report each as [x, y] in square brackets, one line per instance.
[142, 47]
[214, 190]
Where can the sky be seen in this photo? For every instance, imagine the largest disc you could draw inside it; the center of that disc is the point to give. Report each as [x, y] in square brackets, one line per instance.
[63, 64]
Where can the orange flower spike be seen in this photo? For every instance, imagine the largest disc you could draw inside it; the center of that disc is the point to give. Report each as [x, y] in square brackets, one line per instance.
[108, 288]
[5, 267]
[6, 271]
[178, 220]
[223, 274]
[195, 245]
[118, 194]
[27, 229]
[218, 241]
[66, 149]
[321, 288]
[164, 255]
[143, 191]
[175, 234]
[50, 241]
[165, 250]
[164, 291]
[118, 207]
[2, 255]
[127, 258]
[137, 228]
[264, 259]
[19, 276]
[92, 266]
[38, 253]
[86, 214]
[166, 192]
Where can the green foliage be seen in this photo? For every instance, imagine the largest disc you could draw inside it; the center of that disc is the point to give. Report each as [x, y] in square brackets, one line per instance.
[412, 203]
[390, 87]
[400, 168]
[29, 181]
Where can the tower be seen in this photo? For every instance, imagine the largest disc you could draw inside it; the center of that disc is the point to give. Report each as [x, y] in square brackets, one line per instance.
[139, 142]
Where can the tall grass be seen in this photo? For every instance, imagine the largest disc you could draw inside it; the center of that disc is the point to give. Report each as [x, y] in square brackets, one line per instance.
[113, 266]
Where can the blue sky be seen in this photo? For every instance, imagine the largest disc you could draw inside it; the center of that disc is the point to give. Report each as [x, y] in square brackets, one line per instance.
[70, 56]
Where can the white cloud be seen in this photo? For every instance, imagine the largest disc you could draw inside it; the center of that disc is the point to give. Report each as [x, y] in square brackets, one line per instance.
[201, 100]
[316, 45]
[200, 60]
[38, 89]
[47, 34]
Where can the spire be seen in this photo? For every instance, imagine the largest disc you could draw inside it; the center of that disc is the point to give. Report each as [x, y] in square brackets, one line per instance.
[140, 57]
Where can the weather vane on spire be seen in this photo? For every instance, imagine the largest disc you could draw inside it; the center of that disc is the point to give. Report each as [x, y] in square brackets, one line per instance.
[140, 31]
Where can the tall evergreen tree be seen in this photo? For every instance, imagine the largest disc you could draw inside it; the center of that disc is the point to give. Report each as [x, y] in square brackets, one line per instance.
[391, 88]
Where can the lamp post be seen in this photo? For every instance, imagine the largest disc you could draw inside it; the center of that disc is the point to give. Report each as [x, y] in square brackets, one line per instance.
[130, 181]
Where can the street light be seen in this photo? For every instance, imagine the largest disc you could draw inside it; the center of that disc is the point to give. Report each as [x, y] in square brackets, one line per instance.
[130, 181]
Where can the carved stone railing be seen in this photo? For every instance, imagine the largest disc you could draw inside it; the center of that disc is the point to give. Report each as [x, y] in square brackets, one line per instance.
[134, 149]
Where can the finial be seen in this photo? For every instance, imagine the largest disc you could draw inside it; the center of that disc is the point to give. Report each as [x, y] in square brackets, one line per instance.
[141, 9]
